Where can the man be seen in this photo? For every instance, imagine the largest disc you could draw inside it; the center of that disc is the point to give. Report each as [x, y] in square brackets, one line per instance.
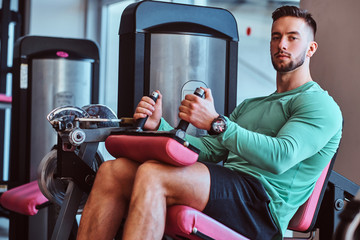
[275, 149]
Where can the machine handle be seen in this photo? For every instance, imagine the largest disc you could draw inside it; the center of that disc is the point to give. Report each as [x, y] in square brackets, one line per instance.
[141, 121]
[183, 125]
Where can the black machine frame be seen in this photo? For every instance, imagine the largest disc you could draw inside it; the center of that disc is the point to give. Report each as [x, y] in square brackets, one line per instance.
[7, 16]
[25, 49]
[140, 20]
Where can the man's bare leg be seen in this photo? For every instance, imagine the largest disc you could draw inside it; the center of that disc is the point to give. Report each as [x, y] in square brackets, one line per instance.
[108, 200]
[159, 185]
[156, 186]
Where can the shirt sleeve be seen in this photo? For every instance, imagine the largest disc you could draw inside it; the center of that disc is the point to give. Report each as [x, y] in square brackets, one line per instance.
[314, 120]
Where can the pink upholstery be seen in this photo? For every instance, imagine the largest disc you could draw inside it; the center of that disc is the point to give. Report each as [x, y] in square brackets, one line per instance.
[302, 219]
[4, 98]
[23, 199]
[143, 148]
[182, 221]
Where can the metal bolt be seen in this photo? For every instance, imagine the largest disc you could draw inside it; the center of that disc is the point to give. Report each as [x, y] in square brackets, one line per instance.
[89, 179]
[77, 137]
[339, 204]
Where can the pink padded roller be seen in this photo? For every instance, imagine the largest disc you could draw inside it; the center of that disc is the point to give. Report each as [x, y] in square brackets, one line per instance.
[23, 199]
[143, 148]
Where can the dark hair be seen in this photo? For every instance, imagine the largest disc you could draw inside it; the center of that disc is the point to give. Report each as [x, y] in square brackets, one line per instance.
[293, 11]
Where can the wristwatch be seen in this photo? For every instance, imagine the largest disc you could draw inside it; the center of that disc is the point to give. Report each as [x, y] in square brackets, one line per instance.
[218, 125]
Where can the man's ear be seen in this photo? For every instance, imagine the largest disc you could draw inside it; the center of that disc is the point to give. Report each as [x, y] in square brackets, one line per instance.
[312, 49]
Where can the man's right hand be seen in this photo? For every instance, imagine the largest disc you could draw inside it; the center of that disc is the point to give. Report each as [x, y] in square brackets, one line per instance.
[147, 107]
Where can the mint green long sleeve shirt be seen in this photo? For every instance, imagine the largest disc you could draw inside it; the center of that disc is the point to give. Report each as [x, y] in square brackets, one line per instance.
[285, 140]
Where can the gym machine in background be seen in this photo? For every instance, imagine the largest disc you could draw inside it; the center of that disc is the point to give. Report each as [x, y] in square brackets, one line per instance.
[48, 73]
[176, 48]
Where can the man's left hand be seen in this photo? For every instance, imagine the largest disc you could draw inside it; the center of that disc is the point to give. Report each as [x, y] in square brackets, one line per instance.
[198, 111]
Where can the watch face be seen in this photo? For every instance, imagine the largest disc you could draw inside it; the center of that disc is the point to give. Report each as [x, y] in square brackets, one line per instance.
[219, 125]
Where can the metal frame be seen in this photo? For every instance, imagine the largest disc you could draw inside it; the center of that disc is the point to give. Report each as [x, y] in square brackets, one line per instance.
[27, 48]
[7, 16]
[141, 19]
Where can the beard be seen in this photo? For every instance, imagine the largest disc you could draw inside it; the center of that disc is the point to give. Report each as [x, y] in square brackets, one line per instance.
[292, 65]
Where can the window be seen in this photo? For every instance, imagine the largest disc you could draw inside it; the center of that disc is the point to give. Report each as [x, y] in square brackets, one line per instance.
[256, 76]
[8, 11]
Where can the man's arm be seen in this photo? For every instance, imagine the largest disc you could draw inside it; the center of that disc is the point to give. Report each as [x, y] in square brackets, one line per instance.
[314, 120]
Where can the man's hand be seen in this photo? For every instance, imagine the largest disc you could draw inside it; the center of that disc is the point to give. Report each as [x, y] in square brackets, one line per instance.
[147, 107]
[197, 111]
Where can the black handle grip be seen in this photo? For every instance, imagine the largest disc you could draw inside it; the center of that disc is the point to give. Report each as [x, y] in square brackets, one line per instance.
[183, 125]
[141, 121]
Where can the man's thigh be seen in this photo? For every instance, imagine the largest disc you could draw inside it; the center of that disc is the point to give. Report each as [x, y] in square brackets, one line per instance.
[188, 185]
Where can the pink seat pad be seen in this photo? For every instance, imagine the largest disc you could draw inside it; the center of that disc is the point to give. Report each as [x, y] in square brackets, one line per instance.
[181, 221]
[23, 199]
[143, 148]
[303, 218]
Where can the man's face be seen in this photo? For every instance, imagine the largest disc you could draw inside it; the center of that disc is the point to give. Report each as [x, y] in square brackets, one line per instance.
[290, 38]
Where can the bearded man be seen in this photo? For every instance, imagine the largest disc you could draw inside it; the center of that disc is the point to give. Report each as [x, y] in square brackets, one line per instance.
[275, 149]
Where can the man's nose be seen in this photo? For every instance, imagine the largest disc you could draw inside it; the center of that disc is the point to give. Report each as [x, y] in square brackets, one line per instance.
[283, 44]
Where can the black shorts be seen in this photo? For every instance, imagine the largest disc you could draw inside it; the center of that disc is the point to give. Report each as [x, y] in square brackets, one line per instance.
[240, 202]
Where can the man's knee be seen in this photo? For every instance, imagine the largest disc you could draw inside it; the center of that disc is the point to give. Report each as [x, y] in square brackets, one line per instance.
[106, 169]
[117, 170]
[149, 176]
[149, 171]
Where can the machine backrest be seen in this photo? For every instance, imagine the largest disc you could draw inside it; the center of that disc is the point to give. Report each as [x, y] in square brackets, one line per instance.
[305, 217]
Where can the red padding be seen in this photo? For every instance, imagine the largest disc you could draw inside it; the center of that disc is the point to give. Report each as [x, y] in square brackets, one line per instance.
[4, 98]
[23, 199]
[304, 216]
[181, 221]
[143, 148]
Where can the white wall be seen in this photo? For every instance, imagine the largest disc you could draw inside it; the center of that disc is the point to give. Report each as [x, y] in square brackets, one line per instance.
[336, 67]
[58, 18]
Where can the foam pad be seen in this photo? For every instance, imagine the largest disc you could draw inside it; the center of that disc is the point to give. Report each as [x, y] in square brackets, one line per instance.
[4, 98]
[143, 148]
[303, 218]
[23, 199]
[183, 221]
